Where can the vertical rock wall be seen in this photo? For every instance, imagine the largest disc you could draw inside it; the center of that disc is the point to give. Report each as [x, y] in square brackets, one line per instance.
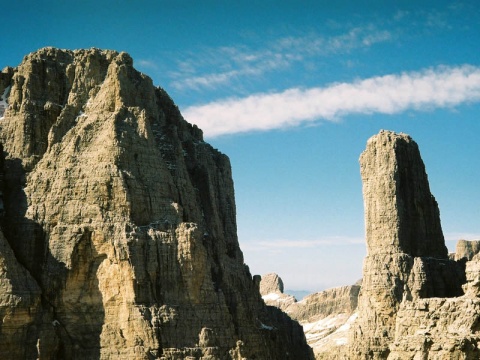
[406, 254]
[401, 215]
[121, 222]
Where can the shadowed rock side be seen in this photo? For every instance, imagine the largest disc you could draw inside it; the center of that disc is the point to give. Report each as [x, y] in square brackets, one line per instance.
[120, 223]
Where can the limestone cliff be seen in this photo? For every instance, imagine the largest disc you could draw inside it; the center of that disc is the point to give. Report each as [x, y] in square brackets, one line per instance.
[406, 254]
[325, 316]
[415, 301]
[120, 231]
[407, 270]
[466, 249]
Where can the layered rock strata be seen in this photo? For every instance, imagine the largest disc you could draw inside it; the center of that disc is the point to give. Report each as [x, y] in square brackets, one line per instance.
[325, 316]
[415, 301]
[466, 249]
[407, 264]
[120, 231]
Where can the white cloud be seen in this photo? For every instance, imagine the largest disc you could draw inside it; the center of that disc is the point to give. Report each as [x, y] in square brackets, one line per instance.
[428, 89]
[238, 62]
[147, 64]
[234, 63]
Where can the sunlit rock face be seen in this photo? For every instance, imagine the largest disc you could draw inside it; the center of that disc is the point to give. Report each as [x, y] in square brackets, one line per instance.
[407, 267]
[401, 215]
[325, 316]
[119, 222]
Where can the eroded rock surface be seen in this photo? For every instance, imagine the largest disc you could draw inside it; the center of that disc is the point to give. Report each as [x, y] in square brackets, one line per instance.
[325, 316]
[271, 290]
[407, 267]
[120, 223]
[467, 249]
[415, 301]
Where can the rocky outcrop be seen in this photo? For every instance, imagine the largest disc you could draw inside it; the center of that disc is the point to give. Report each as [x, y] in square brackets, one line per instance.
[407, 267]
[415, 301]
[271, 283]
[325, 316]
[271, 290]
[467, 249]
[401, 215]
[120, 224]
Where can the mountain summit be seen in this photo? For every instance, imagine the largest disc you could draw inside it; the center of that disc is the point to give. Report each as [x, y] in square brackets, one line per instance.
[119, 231]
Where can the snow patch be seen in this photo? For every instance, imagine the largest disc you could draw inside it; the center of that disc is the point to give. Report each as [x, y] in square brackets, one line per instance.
[332, 329]
[271, 296]
[89, 103]
[4, 101]
[80, 114]
[266, 327]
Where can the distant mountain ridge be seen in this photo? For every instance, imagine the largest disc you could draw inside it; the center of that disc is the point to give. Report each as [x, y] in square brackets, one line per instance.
[298, 294]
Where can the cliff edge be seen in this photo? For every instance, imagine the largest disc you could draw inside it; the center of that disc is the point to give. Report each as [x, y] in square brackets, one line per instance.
[119, 224]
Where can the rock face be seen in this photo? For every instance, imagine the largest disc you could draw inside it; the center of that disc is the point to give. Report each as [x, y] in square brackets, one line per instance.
[467, 249]
[325, 316]
[271, 283]
[415, 301]
[407, 267]
[401, 215]
[120, 231]
[271, 290]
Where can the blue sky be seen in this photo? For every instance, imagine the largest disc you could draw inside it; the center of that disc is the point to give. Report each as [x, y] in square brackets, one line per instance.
[291, 91]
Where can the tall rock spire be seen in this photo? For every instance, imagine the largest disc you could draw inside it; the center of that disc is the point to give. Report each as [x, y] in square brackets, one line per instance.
[406, 254]
[401, 215]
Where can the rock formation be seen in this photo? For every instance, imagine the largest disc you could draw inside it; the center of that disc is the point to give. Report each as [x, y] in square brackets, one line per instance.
[271, 283]
[120, 231]
[407, 267]
[415, 301]
[467, 249]
[325, 316]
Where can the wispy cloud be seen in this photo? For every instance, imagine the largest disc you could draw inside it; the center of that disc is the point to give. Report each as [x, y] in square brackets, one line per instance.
[285, 244]
[428, 89]
[243, 61]
[147, 64]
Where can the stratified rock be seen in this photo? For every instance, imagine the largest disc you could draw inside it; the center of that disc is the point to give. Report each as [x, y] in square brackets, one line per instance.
[401, 215]
[271, 283]
[437, 328]
[472, 272]
[467, 249]
[406, 254]
[341, 300]
[19, 305]
[325, 316]
[125, 220]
